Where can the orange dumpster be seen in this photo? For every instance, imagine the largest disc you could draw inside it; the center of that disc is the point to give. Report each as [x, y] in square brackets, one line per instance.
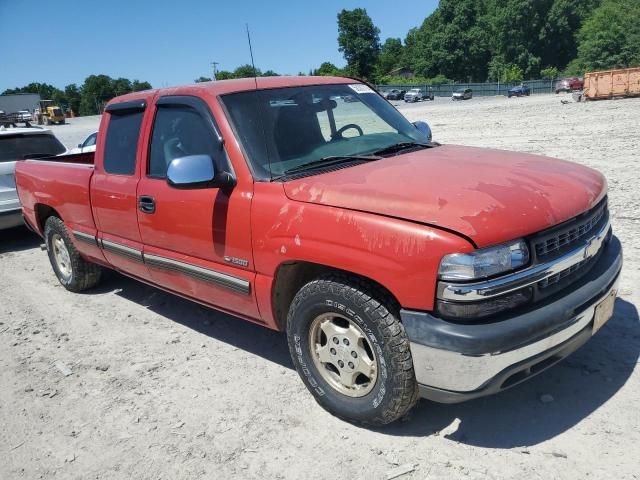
[612, 83]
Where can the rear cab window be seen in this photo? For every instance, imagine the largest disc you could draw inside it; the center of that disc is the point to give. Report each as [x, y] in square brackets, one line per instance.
[121, 146]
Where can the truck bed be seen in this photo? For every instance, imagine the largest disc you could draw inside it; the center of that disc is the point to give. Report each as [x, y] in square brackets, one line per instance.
[61, 183]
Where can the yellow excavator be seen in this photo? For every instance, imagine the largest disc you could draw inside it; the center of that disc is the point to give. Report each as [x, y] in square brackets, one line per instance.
[49, 113]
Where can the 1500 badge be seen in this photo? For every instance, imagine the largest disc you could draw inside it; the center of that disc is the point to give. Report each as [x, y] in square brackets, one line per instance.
[236, 261]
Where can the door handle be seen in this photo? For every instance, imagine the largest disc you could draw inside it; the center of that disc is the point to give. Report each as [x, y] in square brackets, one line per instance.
[146, 204]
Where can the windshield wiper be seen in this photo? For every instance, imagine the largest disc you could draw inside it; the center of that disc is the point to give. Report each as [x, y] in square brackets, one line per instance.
[401, 146]
[332, 160]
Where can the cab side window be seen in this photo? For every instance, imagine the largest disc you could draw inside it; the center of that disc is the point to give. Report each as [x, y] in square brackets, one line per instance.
[122, 143]
[178, 131]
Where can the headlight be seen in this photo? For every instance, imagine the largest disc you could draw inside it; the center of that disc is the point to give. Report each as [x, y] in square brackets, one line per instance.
[484, 263]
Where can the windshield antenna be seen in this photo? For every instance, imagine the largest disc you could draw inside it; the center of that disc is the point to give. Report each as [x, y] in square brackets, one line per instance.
[253, 65]
[260, 109]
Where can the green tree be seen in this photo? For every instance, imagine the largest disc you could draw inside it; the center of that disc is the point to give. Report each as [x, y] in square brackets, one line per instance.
[96, 91]
[609, 37]
[224, 75]
[389, 57]
[45, 90]
[121, 86]
[202, 79]
[270, 73]
[73, 97]
[246, 71]
[137, 86]
[327, 69]
[558, 44]
[512, 74]
[550, 73]
[359, 41]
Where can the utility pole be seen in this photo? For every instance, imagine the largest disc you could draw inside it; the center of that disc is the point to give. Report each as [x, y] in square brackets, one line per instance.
[215, 69]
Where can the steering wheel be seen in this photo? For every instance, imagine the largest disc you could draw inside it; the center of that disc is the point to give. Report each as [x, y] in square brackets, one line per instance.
[338, 134]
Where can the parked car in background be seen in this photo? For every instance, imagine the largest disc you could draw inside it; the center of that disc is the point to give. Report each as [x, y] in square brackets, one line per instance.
[24, 116]
[398, 267]
[519, 91]
[394, 94]
[18, 144]
[569, 84]
[462, 94]
[413, 95]
[89, 144]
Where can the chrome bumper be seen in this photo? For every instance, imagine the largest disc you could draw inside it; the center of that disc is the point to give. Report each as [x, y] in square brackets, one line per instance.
[456, 362]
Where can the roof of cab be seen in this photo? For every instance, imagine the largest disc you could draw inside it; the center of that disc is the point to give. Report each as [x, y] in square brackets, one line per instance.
[221, 87]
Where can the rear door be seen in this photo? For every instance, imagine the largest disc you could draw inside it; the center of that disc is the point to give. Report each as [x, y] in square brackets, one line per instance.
[114, 185]
[197, 242]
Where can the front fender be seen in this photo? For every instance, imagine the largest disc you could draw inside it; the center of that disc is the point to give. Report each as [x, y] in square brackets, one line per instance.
[400, 255]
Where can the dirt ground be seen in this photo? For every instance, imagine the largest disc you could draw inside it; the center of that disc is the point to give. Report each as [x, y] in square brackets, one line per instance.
[160, 388]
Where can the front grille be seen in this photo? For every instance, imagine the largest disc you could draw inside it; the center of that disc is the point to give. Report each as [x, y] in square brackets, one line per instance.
[569, 234]
[554, 279]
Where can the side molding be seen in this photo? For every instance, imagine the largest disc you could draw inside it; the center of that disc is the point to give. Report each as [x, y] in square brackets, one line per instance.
[212, 276]
[231, 282]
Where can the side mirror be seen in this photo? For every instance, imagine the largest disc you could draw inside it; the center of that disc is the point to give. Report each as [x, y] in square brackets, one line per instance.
[79, 145]
[196, 171]
[424, 129]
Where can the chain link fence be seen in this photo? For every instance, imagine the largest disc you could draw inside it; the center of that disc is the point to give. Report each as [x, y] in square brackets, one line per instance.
[479, 89]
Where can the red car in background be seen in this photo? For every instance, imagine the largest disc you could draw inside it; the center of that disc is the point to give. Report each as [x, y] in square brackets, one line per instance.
[569, 84]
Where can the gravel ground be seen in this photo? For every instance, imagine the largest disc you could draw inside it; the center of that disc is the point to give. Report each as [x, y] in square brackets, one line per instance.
[126, 381]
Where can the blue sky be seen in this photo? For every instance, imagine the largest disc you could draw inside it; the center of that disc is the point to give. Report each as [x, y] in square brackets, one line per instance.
[172, 42]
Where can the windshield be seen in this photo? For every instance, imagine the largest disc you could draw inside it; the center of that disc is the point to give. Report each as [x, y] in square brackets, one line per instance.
[18, 146]
[286, 128]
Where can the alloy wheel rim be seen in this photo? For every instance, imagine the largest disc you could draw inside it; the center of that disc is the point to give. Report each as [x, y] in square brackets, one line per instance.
[61, 255]
[343, 355]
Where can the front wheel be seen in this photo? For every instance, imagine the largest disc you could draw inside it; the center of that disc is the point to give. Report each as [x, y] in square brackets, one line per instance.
[74, 272]
[351, 350]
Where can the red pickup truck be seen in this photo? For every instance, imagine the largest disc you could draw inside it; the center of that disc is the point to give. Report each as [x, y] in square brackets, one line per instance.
[399, 268]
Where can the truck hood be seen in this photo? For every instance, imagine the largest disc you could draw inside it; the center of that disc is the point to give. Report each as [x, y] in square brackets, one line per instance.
[489, 196]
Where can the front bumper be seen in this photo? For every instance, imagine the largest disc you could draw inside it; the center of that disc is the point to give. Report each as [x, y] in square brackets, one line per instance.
[11, 218]
[456, 362]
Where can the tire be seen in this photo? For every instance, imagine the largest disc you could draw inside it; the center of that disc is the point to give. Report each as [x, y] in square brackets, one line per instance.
[341, 303]
[74, 272]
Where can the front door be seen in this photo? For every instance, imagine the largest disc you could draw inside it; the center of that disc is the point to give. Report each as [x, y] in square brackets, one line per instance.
[197, 242]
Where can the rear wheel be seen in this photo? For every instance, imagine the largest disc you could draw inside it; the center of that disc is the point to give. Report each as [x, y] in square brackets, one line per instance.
[351, 350]
[73, 271]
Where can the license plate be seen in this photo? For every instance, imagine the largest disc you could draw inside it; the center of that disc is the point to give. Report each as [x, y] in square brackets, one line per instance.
[604, 311]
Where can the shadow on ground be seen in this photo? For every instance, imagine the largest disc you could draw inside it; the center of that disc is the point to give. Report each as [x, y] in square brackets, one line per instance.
[250, 337]
[18, 239]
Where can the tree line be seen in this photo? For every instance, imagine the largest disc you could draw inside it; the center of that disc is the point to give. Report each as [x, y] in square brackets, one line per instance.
[87, 99]
[495, 40]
